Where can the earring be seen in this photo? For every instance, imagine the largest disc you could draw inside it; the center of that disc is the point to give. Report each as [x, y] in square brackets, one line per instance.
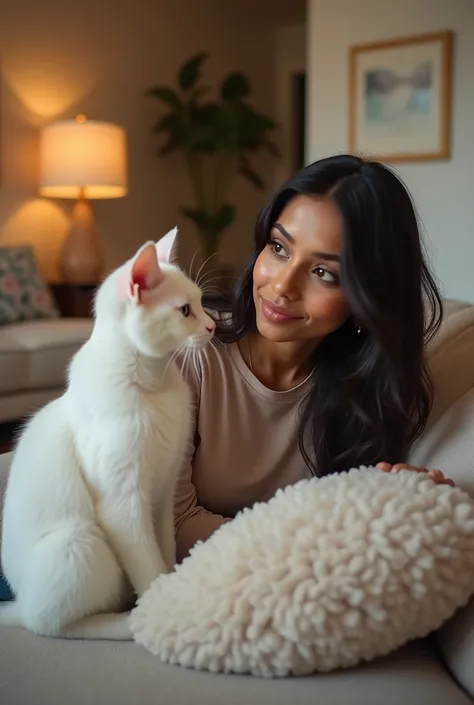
[358, 330]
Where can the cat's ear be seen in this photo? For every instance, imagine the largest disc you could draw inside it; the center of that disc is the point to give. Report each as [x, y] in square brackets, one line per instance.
[167, 247]
[145, 272]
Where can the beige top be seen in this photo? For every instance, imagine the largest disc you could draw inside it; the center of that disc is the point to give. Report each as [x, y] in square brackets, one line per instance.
[245, 444]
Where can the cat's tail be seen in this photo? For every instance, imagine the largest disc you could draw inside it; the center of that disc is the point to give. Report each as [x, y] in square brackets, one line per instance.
[108, 627]
[10, 615]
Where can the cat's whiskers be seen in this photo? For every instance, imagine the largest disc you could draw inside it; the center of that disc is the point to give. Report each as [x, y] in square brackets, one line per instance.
[227, 277]
[208, 273]
[212, 290]
[191, 355]
[203, 265]
[190, 270]
[218, 344]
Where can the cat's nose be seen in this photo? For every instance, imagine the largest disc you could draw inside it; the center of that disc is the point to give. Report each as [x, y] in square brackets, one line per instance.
[211, 329]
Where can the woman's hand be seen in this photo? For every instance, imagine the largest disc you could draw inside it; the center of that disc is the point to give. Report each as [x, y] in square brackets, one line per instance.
[435, 475]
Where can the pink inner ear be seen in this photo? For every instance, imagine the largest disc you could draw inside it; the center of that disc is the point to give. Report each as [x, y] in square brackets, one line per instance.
[146, 272]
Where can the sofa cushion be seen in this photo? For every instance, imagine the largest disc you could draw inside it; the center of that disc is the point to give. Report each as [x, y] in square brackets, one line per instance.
[456, 640]
[24, 296]
[451, 358]
[35, 354]
[448, 444]
[38, 670]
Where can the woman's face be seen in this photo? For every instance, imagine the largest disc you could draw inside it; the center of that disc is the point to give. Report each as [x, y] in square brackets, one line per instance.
[296, 278]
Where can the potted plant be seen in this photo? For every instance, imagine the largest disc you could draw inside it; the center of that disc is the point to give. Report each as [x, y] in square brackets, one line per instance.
[217, 139]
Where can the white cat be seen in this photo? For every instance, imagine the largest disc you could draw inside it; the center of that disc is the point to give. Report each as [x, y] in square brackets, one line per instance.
[96, 469]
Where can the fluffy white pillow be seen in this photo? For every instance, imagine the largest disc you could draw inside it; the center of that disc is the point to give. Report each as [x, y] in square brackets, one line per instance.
[327, 574]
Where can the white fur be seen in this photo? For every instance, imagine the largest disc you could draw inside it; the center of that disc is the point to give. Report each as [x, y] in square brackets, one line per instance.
[89, 502]
[327, 574]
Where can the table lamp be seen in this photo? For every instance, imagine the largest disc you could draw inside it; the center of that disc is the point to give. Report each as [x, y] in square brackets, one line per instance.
[82, 159]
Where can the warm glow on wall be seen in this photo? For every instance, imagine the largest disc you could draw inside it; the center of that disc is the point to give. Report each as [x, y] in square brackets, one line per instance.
[44, 93]
[43, 225]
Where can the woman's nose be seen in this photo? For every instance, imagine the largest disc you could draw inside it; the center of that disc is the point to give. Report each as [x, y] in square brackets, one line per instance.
[286, 284]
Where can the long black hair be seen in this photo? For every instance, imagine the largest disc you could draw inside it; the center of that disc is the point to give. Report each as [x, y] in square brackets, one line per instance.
[371, 392]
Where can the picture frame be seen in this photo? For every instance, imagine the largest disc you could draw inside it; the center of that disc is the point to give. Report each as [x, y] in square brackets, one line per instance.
[400, 98]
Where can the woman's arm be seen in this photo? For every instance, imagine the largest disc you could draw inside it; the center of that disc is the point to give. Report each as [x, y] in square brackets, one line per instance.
[192, 522]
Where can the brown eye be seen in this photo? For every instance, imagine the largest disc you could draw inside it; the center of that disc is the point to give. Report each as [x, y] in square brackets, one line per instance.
[325, 275]
[185, 310]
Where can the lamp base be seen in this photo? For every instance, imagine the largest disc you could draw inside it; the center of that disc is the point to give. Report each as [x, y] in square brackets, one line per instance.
[82, 259]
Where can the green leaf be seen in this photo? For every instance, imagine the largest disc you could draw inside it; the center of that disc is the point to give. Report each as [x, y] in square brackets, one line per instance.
[172, 144]
[189, 71]
[168, 123]
[224, 217]
[248, 173]
[166, 95]
[201, 133]
[271, 148]
[199, 217]
[253, 127]
[211, 225]
[235, 87]
[198, 93]
[200, 138]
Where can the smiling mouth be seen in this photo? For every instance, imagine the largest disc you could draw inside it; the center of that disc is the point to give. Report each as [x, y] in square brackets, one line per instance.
[275, 314]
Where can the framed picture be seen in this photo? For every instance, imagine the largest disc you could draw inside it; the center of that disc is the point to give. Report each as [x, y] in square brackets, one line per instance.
[400, 98]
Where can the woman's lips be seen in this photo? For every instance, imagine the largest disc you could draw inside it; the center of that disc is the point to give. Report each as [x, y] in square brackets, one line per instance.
[275, 314]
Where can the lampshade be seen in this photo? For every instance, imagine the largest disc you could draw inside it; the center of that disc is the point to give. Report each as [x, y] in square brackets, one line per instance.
[83, 158]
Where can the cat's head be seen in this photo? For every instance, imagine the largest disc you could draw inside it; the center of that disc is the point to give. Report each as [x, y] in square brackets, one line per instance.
[160, 307]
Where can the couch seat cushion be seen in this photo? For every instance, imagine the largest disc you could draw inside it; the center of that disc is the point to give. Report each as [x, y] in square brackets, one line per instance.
[40, 670]
[35, 354]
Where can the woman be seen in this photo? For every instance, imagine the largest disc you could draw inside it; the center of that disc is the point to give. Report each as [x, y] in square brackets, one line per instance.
[320, 366]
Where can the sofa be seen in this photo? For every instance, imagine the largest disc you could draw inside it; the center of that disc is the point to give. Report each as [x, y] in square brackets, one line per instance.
[438, 670]
[34, 356]
[36, 342]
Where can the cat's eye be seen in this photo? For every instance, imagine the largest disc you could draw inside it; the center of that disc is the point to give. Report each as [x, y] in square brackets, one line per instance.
[185, 310]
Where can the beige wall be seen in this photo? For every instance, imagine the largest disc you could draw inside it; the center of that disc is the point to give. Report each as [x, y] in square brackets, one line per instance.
[443, 191]
[99, 57]
[290, 60]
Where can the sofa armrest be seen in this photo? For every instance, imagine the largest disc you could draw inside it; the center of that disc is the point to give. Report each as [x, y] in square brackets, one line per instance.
[456, 641]
[449, 444]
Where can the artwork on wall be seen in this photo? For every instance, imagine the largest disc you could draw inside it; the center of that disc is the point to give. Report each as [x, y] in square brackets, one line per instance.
[400, 98]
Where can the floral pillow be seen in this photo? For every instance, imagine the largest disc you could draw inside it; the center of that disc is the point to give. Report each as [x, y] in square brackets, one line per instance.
[24, 295]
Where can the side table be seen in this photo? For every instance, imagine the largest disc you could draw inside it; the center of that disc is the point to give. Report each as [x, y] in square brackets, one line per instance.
[74, 300]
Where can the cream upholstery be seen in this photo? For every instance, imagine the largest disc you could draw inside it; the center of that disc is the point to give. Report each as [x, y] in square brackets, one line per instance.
[33, 360]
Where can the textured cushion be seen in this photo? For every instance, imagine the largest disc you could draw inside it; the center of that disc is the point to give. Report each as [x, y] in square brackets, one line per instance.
[24, 295]
[35, 670]
[35, 354]
[328, 573]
